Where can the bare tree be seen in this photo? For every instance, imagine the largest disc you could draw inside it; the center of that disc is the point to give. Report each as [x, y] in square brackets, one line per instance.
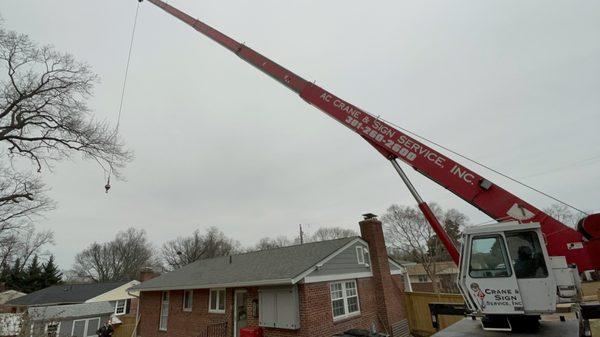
[18, 238]
[408, 232]
[120, 259]
[331, 233]
[563, 214]
[43, 111]
[321, 234]
[21, 198]
[270, 243]
[184, 250]
[43, 119]
[453, 222]
[23, 245]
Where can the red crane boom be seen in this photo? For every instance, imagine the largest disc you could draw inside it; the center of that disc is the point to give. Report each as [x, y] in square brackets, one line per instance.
[393, 144]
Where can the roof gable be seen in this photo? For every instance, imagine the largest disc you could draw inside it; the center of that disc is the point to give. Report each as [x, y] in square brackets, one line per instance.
[9, 295]
[344, 261]
[118, 293]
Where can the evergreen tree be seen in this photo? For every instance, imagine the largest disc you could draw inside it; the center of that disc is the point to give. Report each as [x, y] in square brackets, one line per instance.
[16, 276]
[51, 275]
[4, 272]
[33, 277]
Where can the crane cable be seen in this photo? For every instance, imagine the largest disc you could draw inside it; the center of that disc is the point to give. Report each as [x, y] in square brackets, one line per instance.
[137, 11]
[107, 186]
[484, 166]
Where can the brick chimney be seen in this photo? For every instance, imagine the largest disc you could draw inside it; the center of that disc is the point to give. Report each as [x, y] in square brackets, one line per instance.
[388, 293]
[147, 273]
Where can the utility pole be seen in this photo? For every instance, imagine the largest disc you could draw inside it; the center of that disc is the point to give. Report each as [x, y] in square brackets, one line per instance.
[301, 235]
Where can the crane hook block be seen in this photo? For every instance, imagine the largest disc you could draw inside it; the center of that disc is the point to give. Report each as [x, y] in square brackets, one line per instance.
[107, 186]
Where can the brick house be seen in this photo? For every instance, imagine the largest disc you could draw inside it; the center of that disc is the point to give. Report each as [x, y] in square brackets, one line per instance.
[310, 290]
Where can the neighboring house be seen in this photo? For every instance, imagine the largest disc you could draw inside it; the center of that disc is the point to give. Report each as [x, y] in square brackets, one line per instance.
[115, 293]
[123, 301]
[310, 290]
[78, 320]
[446, 272]
[6, 296]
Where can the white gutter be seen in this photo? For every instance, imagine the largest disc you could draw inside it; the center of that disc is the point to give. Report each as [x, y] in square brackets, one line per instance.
[274, 282]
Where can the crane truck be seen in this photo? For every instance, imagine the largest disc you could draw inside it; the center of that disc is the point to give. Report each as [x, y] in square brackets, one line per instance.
[509, 272]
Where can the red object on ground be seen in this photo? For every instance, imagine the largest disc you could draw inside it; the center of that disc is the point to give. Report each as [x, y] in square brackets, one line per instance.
[251, 332]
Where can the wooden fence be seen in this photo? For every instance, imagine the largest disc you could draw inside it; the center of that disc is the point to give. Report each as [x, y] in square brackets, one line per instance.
[591, 289]
[125, 329]
[419, 317]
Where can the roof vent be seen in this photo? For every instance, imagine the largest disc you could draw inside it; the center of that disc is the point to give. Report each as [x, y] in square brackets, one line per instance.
[368, 216]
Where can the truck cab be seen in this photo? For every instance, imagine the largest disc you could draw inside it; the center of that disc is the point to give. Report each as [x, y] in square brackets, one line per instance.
[505, 271]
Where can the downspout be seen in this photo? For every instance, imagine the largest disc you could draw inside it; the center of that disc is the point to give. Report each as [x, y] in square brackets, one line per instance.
[137, 314]
[407, 284]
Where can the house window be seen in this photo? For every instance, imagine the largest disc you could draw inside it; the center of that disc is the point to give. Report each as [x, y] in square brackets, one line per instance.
[52, 329]
[164, 311]
[188, 297]
[527, 255]
[423, 278]
[85, 327]
[488, 257]
[121, 307]
[216, 301]
[344, 299]
[360, 255]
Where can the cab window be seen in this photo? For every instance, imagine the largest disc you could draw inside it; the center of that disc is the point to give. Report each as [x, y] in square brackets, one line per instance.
[488, 257]
[526, 255]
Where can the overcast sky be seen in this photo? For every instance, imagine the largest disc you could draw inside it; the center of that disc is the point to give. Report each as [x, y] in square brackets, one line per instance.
[514, 84]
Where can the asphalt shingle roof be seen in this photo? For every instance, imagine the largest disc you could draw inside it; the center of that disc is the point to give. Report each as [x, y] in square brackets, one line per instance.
[9, 295]
[70, 311]
[272, 266]
[65, 293]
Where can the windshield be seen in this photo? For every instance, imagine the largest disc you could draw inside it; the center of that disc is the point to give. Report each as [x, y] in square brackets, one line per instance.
[488, 257]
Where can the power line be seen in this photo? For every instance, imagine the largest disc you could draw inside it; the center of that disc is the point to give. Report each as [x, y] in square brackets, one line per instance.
[584, 162]
[483, 165]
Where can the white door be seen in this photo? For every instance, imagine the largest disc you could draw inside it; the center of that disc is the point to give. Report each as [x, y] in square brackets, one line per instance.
[240, 311]
[528, 258]
[490, 279]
